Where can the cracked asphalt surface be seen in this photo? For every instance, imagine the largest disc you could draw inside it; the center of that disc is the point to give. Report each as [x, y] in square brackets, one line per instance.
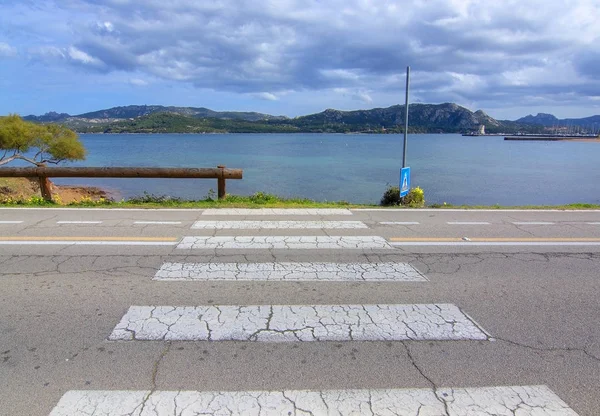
[60, 303]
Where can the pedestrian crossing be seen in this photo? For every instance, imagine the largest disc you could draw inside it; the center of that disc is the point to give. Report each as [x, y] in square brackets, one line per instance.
[285, 242]
[274, 225]
[510, 400]
[296, 323]
[289, 271]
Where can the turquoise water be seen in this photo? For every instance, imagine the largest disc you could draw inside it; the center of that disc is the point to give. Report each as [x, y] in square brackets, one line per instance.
[357, 168]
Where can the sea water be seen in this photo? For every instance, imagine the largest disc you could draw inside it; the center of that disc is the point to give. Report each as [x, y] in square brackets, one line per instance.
[355, 167]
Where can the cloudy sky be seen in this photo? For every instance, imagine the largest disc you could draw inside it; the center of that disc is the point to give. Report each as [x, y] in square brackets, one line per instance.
[294, 57]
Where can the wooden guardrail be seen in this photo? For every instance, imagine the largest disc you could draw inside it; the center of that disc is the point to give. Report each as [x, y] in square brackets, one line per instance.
[221, 173]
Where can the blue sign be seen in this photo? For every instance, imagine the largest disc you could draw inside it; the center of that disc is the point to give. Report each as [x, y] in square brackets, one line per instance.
[404, 181]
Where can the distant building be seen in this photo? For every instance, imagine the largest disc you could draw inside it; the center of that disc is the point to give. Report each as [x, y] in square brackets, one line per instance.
[481, 130]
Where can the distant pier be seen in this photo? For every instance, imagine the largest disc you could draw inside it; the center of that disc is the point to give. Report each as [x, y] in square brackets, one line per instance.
[554, 137]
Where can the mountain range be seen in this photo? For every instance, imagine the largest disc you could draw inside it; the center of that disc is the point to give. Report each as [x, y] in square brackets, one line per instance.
[423, 118]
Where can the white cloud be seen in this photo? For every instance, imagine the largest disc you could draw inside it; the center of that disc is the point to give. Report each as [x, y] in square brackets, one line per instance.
[138, 82]
[357, 95]
[265, 96]
[463, 50]
[343, 74]
[363, 96]
[7, 50]
[80, 56]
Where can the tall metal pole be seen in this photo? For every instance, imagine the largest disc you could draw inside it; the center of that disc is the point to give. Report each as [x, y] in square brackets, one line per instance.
[406, 118]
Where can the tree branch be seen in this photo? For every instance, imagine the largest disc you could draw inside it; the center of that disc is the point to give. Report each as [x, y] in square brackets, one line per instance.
[54, 161]
[17, 156]
[8, 160]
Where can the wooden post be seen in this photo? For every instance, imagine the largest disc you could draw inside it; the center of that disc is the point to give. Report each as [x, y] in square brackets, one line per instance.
[45, 185]
[221, 183]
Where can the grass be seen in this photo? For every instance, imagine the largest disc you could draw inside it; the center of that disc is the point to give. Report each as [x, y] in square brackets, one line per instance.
[258, 200]
[31, 198]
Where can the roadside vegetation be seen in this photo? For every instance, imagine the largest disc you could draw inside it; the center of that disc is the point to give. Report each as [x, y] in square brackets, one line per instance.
[22, 192]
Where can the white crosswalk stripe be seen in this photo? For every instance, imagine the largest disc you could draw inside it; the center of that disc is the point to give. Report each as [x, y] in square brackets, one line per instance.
[272, 225]
[276, 211]
[337, 272]
[293, 242]
[506, 400]
[287, 323]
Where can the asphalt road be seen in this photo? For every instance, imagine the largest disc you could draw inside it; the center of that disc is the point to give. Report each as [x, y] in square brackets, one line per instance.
[527, 282]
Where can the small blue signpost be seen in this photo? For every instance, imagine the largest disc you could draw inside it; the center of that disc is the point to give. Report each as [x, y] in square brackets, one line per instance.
[404, 181]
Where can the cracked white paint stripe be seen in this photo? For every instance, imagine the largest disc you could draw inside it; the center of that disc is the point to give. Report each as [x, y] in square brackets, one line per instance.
[79, 222]
[533, 223]
[468, 223]
[276, 242]
[158, 222]
[276, 211]
[11, 222]
[502, 400]
[331, 272]
[291, 323]
[257, 225]
[399, 223]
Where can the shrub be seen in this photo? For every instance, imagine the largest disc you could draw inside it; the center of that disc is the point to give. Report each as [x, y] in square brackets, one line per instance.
[391, 196]
[415, 197]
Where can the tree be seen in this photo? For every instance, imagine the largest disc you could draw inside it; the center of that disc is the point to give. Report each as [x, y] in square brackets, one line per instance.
[37, 143]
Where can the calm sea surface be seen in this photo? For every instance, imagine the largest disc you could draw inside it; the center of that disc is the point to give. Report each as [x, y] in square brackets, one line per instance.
[356, 168]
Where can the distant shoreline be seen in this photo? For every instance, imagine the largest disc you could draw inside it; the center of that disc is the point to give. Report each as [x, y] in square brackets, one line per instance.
[552, 138]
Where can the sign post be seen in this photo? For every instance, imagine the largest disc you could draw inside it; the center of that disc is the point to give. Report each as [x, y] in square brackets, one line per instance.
[405, 172]
[404, 182]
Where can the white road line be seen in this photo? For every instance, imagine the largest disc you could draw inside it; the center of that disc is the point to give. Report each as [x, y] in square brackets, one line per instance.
[468, 223]
[533, 223]
[276, 211]
[289, 323]
[495, 243]
[593, 223]
[442, 210]
[86, 243]
[158, 222]
[334, 272]
[257, 225]
[502, 400]
[399, 223]
[79, 222]
[295, 242]
[11, 222]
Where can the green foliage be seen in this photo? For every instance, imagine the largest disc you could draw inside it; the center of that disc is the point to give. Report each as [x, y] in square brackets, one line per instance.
[51, 143]
[148, 198]
[414, 199]
[391, 196]
[263, 198]
[36, 201]
[87, 201]
[16, 134]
